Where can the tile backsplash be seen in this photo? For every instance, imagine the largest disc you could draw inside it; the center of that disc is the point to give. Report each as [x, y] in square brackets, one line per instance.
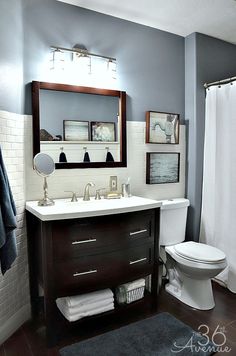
[76, 179]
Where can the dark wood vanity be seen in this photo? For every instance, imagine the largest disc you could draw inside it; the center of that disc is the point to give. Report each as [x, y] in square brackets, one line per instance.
[74, 256]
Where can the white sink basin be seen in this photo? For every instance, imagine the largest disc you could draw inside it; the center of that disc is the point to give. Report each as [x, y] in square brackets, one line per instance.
[65, 209]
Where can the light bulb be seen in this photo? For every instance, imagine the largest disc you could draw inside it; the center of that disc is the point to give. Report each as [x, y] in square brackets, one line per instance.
[83, 61]
[57, 61]
[111, 67]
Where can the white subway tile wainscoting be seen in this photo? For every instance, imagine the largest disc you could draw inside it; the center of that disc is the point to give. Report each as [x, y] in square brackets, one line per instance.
[16, 144]
[14, 285]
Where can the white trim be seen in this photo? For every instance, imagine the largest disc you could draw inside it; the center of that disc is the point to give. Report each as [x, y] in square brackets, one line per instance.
[14, 322]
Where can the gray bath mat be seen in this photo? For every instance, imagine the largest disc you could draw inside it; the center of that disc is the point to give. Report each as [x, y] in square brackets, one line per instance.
[160, 335]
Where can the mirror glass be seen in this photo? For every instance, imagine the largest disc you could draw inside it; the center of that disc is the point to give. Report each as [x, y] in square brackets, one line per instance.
[79, 127]
[44, 164]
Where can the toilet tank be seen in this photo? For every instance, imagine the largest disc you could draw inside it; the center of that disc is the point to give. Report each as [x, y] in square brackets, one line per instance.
[173, 217]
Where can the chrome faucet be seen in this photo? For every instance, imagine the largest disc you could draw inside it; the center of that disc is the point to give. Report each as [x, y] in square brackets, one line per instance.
[86, 191]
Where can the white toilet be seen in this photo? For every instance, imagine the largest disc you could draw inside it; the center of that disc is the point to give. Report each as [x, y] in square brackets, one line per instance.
[190, 265]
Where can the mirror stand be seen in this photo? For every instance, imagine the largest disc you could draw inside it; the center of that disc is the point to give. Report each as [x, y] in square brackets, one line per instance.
[44, 166]
[45, 201]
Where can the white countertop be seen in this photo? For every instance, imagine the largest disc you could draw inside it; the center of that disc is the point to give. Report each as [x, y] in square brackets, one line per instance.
[65, 209]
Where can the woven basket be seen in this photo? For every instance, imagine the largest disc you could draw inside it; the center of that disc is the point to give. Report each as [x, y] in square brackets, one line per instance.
[123, 296]
[134, 294]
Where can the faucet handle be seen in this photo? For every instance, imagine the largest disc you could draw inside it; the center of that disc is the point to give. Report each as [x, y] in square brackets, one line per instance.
[74, 196]
[97, 195]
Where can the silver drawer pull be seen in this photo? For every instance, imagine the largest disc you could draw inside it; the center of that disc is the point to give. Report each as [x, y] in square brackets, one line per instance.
[137, 261]
[83, 241]
[76, 274]
[137, 232]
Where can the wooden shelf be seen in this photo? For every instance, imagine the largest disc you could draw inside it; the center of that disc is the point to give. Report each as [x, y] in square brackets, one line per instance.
[80, 142]
[120, 316]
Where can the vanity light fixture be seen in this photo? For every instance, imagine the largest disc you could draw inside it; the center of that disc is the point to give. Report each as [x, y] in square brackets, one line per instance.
[111, 67]
[83, 57]
[57, 59]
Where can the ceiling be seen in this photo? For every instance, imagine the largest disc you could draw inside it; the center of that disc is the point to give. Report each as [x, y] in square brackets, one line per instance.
[216, 18]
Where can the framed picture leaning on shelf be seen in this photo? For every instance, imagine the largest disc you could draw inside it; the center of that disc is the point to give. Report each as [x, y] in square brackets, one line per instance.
[103, 131]
[75, 130]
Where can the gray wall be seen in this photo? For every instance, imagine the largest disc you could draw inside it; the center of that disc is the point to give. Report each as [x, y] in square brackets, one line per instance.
[151, 67]
[150, 62]
[207, 59]
[11, 56]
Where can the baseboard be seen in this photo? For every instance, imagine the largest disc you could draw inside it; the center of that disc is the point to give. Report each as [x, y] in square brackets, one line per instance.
[14, 323]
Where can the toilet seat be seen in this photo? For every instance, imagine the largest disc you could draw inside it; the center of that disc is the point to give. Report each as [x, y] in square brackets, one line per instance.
[199, 253]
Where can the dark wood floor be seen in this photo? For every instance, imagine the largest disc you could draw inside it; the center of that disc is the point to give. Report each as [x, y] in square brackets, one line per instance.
[29, 340]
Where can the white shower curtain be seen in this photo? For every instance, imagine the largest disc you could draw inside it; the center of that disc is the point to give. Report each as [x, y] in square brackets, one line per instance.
[218, 220]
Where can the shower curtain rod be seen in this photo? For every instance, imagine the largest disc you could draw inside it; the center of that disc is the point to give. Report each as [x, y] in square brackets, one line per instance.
[219, 82]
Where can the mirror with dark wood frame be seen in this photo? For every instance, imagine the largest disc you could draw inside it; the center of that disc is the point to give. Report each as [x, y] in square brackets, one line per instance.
[79, 127]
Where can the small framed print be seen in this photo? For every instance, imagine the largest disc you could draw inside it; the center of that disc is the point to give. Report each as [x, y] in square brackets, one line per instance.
[103, 131]
[162, 127]
[75, 130]
[162, 167]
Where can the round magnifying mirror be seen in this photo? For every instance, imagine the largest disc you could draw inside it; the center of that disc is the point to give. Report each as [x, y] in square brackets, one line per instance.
[44, 166]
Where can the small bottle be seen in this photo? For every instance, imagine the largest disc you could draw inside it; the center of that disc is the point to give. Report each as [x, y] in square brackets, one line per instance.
[126, 192]
[126, 189]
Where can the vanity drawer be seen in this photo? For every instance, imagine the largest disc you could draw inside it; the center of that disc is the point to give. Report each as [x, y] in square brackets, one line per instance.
[102, 271]
[101, 234]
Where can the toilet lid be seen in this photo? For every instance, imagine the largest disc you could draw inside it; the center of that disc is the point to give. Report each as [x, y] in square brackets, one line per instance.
[199, 252]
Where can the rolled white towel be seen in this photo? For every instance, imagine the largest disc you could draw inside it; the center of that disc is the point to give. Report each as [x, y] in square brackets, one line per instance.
[87, 298]
[62, 304]
[83, 314]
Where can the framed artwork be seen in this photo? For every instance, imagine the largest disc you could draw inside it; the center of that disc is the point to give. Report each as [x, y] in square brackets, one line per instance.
[162, 167]
[162, 127]
[75, 130]
[103, 131]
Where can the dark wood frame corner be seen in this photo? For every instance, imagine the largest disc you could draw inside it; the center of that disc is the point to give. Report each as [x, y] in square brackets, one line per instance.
[36, 86]
[148, 161]
[148, 128]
